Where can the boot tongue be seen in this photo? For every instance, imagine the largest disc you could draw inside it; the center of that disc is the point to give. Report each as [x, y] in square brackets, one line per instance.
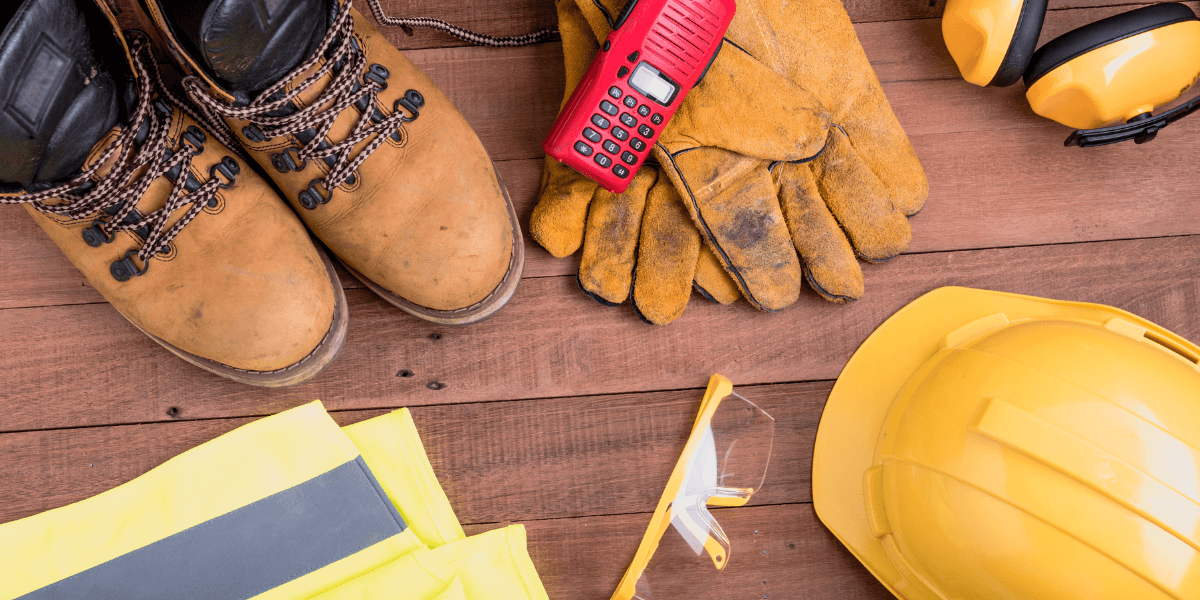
[63, 83]
[248, 45]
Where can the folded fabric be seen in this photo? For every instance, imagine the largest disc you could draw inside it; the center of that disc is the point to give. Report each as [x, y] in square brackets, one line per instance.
[393, 450]
[283, 508]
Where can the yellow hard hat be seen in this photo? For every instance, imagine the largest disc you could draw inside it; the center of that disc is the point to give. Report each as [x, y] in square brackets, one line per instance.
[982, 445]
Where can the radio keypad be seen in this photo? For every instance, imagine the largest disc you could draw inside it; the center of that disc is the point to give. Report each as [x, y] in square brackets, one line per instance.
[635, 144]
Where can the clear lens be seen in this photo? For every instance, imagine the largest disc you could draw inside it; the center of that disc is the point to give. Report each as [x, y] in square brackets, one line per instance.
[727, 466]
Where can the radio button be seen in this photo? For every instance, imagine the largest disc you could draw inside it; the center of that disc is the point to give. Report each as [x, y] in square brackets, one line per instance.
[630, 101]
[628, 157]
[632, 57]
[620, 171]
[615, 92]
[617, 132]
[656, 119]
[591, 134]
[603, 160]
[637, 144]
[583, 148]
[622, 72]
[645, 131]
[608, 107]
[600, 121]
[628, 120]
[611, 147]
[644, 110]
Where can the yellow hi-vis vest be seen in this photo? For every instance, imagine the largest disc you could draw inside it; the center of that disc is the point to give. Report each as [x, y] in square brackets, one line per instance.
[286, 507]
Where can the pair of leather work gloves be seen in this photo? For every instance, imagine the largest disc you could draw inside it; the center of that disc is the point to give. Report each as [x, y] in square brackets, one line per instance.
[785, 162]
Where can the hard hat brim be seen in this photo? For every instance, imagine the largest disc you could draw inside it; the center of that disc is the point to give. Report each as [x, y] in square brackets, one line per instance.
[858, 406]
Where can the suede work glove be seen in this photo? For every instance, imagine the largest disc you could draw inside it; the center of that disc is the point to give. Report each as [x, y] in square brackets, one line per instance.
[645, 234]
[854, 199]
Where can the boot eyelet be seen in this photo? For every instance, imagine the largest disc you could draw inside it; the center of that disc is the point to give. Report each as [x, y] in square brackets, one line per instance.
[124, 269]
[312, 196]
[254, 133]
[378, 74]
[411, 102]
[95, 236]
[227, 167]
[284, 161]
[162, 107]
[195, 137]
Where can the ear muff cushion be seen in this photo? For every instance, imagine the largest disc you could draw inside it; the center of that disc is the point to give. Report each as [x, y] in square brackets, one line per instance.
[1029, 27]
[1076, 43]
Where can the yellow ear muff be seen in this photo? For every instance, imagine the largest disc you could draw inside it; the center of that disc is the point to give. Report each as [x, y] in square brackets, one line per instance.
[992, 40]
[1118, 68]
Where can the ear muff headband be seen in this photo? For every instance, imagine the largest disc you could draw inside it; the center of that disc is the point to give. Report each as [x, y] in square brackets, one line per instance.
[1080, 41]
[1024, 41]
[1118, 69]
[991, 40]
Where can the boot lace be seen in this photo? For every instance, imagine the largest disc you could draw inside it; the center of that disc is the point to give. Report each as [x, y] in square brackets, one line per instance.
[143, 153]
[273, 113]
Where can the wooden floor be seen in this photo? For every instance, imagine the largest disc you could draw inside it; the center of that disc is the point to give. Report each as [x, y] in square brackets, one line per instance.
[567, 415]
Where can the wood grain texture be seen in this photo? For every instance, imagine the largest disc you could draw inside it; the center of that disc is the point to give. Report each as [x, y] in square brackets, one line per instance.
[779, 552]
[600, 455]
[999, 175]
[569, 416]
[65, 366]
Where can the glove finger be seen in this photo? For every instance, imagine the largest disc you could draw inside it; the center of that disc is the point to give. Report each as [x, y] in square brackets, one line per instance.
[610, 244]
[711, 279]
[743, 106]
[831, 63]
[558, 219]
[735, 205]
[829, 262]
[578, 42]
[860, 201]
[599, 14]
[882, 144]
[666, 260]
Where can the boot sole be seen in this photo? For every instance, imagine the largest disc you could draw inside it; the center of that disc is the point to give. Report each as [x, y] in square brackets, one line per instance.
[295, 373]
[480, 310]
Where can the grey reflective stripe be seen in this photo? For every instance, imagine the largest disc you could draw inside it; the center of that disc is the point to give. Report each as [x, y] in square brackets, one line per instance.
[253, 549]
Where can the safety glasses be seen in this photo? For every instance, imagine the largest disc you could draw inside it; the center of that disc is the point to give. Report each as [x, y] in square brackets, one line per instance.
[723, 464]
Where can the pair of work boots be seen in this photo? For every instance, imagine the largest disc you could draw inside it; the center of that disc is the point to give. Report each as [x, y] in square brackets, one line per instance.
[151, 195]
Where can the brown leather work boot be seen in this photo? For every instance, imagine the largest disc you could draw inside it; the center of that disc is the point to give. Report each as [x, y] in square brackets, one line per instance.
[371, 154]
[173, 229]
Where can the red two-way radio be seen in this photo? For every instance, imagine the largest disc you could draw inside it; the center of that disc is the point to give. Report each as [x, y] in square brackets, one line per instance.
[657, 51]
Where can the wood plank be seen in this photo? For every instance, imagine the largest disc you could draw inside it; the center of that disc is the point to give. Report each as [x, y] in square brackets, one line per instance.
[998, 173]
[778, 552]
[84, 365]
[498, 461]
[517, 17]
